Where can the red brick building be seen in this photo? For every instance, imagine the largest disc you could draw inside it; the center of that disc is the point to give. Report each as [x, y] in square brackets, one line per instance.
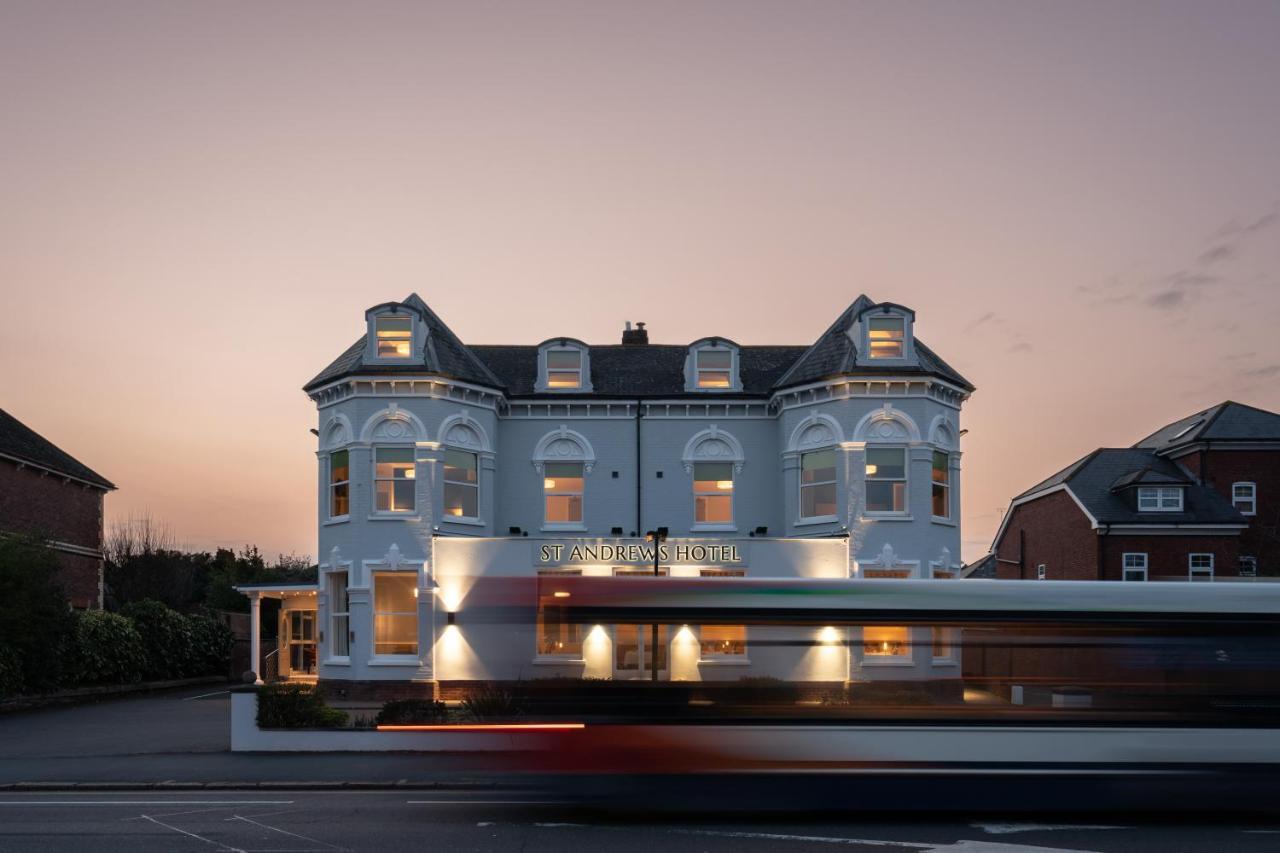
[46, 492]
[1195, 500]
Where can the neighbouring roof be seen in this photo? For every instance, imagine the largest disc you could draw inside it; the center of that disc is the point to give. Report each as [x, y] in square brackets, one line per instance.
[982, 568]
[18, 441]
[1227, 421]
[644, 370]
[1101, 480]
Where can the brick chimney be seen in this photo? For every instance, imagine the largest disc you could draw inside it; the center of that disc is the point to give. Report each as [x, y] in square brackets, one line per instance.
[638, 336]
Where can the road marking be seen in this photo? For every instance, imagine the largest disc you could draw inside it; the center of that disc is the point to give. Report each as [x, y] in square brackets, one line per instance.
[194, 835]
[146, 802]
[1010, 828]
[205, 695]
[287, 832]
[484, 802]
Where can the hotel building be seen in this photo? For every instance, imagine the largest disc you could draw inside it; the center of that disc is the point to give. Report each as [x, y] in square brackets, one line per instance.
[458, 485]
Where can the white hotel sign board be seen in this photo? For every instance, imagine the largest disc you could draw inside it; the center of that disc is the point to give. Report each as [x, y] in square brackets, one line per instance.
[693, 553]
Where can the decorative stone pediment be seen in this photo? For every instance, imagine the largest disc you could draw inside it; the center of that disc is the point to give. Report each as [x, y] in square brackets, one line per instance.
[564, 445]
[713, 445]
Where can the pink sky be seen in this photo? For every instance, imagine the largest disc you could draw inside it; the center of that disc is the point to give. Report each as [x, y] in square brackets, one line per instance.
[1080, 201]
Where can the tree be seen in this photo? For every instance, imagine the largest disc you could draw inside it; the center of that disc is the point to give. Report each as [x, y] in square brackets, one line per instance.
[35, 619]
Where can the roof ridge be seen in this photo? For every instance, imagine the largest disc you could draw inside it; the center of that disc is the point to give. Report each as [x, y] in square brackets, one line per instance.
[431, 314]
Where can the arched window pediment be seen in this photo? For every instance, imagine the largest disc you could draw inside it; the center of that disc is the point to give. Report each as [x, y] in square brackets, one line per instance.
[393, 424]
[337, 432]
[713, 445]
[942, 433]
[814, 432]
[564, 445]
[465, 433]
[886, 424]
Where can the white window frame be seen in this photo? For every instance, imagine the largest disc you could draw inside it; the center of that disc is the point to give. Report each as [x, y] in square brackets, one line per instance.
[1130, 562]
[873, 659]
[412, 512]
[698, 369]
[556, 345]
[1251, 561]
[378, 318]
[1199, 573]
[1251, 499]
[1167, 498]
[905, 479]
[693, 371]
[1042, 572]
[405, 658]
[331, 485]
[335, 614]
[902, 341]
[578, 370]
[732, 524]
[945, 485]
[446, 482]
[580, 524]
[834, 481]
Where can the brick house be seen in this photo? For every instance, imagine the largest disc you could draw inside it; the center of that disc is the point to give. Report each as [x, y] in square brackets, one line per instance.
[1194, 500]
[45, 492]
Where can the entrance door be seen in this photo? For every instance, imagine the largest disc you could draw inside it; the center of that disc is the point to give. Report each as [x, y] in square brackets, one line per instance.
[301, 638]
[633, 649]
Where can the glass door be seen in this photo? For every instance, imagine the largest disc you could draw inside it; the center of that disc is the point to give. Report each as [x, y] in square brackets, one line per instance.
[633, 649]
[302, 642]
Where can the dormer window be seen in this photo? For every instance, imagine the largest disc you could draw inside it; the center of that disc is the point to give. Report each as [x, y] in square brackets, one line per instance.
[564, 368]
[394, 335]
[712, 365]
[1159, 499]
[886, 336]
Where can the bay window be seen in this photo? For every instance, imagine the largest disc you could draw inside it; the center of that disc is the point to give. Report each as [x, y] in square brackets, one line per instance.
[713, 492]
[818, 484]
[339, 484]
[339, 616]
[461, 484]
[394, 481]
[562, 487]
[395, 613]
[941, 485]
[886, 479]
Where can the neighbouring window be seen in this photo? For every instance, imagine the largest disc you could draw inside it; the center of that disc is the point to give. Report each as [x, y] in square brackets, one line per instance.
[1152, 499]
[1042, 572]
[557, 636]
[1247, 567]
[899, 572]
[339, 484]
[713, 492]
[1200, 567]
[461, 484]
[564, 368]
[818, 484]
[722, 573]
[941, 485]
[1244, 497]
[639, 572]
[395, 336]
[944, 574]
[1135, 567]
[562, 486]
[886, 479]
[883, 641]
[943, 642]
[886, 336]
[395, 613]
[723, 641]
[339, 616]
[714, 368]
[393, 479]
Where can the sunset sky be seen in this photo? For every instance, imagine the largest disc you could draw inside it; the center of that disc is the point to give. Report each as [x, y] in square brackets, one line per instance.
[1080, 200]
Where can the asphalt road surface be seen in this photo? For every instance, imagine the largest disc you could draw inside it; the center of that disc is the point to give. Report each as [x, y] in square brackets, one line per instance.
[390, 822]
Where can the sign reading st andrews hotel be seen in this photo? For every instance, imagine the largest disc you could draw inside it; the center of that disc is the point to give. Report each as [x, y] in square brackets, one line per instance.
[451, 476]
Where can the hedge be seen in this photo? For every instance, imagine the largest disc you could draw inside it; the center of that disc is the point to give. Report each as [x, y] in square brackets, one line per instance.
[105, 648]
[295, 706]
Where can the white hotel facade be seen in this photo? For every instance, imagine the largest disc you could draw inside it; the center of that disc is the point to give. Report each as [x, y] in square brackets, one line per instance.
[451, 477]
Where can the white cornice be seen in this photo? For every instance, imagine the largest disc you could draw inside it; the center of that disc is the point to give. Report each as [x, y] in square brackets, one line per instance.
[53, 472]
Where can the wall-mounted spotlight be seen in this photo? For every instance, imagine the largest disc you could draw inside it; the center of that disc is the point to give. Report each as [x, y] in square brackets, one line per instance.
[513, 531]
[615, 531]
[451, 618]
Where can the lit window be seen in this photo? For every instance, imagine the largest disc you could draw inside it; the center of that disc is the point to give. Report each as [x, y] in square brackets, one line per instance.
[714, 368]
[719, 641]
[395, 613]
[722, 573]
[1200, 567]
[941, 485]
[885, 641]
[1244, 497]
[1152, 499]
[1042, 572]
[556, 635]
[886, 479]
[900, 573]
[562, 489]
[818, 484]
[395, 336]
[564, 368]
[713, 492]
[1135, 567]
[885, 334]
[943, 643]
[339, 616]
[339, 484]
[461, 484]
[393, 479]
[1247, 567]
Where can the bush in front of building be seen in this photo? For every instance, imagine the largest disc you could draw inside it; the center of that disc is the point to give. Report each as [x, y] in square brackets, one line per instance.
[211, 643]
[492, 703]
[295, 706]
[405, 712]
[104, 648]
[167, 638]
[34, 617]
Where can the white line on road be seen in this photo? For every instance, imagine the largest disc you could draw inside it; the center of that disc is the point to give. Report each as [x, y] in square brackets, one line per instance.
[194, 835]
[146, 802]
[205, 695]
[1010, 828]
[484, 802]
[287, 832]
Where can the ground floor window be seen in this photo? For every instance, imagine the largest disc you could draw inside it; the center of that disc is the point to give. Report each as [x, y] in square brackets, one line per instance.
[557, 636]
[395, 613]
[1200, 567]
[886, 641]
[895, 572]
[723, 641]
[301, 639]
[1135, 567]
[634, 647]
[339, 616]
[1248, 567]
[943, 643]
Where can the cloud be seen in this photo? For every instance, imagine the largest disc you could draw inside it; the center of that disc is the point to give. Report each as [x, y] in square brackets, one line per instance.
[1221, 252]
[1240, 356]
[985, 318]
[1234, 229]
[1262, 372]
[1168, 300]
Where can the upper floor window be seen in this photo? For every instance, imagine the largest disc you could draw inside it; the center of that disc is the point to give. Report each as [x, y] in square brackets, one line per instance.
[713, 492]
[1244, 497]
[714, 368]
[393, 479]
[339, 484]
[941, 484]
[1153, 499]
[564, 369]
[394, 333]
[886, 336]
[1247, 567]
[886, 479]
[1135, 567]
[461, 484]
[1200, 567]
[562, 487]
[818, 484]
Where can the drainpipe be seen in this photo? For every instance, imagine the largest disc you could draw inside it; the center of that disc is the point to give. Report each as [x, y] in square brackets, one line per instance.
[1103, 532]
[639, 531]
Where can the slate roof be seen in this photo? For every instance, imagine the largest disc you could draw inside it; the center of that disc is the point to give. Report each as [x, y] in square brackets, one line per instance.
[1227, 421]
[18, 441]
[1101, 482]
[645, 370]
[981, 569]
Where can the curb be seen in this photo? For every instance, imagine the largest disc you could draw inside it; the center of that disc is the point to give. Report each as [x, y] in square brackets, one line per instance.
[298, 785]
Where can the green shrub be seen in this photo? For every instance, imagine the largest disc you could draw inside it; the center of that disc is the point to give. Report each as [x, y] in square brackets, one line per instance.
[211, 642]
[400, 712]
[169, 647]
[295, 706]
[491, 703]
[10, 673]
[35, 620]
[105, 648]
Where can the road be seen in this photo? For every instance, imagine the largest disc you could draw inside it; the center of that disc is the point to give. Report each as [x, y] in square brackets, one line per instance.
[390, 822]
